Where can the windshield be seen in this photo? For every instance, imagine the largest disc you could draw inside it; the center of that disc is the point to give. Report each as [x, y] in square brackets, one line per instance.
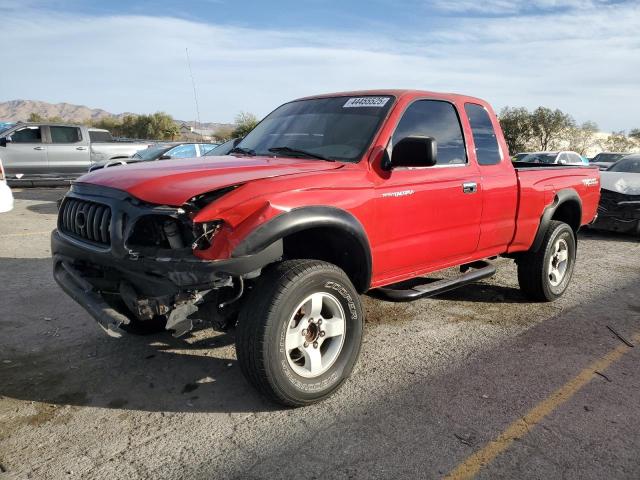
[537, 157]
[151, 153]
[5, 126]
[336, 128]
[628, 165]
[608, 157]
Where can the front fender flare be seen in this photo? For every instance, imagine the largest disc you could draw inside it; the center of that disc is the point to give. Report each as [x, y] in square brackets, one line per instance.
[305, 218]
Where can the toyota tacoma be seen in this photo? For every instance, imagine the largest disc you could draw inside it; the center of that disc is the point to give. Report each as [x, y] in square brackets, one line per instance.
[328, 198]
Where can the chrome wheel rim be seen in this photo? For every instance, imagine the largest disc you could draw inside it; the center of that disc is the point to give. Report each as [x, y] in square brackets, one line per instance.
[315, 335]
[559, 262]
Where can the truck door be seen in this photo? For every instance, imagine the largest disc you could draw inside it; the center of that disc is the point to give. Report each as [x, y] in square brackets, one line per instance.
[498, 178]
[429, 217]
[26, 153]
[67, 150]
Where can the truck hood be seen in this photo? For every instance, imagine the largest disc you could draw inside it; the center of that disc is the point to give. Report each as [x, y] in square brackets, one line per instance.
[173, 182]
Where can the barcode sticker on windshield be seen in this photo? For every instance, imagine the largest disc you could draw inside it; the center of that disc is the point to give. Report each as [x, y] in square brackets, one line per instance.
[366, 102]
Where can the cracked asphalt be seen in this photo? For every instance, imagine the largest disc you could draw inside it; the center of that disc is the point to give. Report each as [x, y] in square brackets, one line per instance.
[438, 380]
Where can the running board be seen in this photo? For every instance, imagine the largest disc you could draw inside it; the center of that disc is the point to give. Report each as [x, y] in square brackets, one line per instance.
[473, 272]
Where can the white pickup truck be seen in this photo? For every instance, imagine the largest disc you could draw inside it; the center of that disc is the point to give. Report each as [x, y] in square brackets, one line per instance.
[37, 152]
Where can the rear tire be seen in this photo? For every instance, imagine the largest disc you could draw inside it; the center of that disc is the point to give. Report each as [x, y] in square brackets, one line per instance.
[299, 332]
[544, 275]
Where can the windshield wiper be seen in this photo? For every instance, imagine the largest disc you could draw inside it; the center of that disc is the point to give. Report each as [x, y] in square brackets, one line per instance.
[246, 151]
[296, 151]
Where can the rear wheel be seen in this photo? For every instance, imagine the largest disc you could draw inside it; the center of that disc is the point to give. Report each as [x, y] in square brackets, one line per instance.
[299, 332]
[544, 275]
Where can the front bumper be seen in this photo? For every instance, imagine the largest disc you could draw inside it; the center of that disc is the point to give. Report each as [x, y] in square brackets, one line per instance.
[618, 212]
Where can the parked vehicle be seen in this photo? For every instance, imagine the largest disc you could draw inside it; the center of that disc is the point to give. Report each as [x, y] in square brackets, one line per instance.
[326, 198]
[224, 148]
[605, 159]
[619, 208]
[160, 152]
[6, 197]
[561, 158]
[52, 152]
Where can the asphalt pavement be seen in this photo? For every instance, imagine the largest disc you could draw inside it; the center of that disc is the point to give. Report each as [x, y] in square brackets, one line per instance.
[477, 382]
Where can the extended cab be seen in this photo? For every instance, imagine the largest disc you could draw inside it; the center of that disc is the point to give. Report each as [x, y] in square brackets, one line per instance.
[327, 198]
[34, 152]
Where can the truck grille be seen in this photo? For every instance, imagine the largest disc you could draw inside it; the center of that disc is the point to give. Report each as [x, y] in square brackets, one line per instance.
[86, 220]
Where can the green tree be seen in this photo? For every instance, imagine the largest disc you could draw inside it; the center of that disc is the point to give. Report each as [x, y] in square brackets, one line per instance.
[516, 126]
[619, 142]
[582, 138]
[224, 133]
[550, 127]
[35, 117]
[245, 122]
[635, 134]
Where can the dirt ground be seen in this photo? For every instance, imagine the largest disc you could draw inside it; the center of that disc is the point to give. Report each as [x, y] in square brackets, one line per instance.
[474, 382]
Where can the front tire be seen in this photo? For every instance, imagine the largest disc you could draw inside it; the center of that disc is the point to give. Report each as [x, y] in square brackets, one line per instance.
[300, 331]
[544, 275]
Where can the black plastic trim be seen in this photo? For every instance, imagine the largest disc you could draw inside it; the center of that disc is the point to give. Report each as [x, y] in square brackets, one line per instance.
[305, 218]
[562, 196]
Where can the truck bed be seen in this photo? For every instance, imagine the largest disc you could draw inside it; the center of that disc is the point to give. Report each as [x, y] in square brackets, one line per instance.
[537, 189]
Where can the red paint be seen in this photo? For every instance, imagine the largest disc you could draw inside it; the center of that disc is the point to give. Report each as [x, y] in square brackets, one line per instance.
[435, 227]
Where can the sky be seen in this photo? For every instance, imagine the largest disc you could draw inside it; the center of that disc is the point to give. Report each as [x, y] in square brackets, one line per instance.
[582, 56]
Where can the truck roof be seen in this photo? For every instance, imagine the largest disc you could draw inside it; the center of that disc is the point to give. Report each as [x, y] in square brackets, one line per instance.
[56, 124]
[398, 93]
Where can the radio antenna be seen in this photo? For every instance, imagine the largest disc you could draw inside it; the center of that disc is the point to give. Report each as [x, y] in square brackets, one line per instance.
[193, 84]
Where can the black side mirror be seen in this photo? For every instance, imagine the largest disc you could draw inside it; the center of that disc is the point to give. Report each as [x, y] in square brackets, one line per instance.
[4, 141]
[236, 141]
[165, 157]
[415, 152]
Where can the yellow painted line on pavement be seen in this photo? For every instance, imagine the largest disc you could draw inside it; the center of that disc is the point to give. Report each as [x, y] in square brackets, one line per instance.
[24, 234]
[473, 464]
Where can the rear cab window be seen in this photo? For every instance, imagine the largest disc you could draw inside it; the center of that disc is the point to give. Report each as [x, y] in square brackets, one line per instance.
[100, 136]
[484, 135]
[437, 119]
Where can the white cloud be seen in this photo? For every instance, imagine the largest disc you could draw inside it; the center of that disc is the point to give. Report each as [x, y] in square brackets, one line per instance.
[510, 7]
[585, 62]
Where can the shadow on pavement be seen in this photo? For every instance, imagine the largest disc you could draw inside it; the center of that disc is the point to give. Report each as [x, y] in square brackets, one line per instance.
[53, 352]
[607, 236]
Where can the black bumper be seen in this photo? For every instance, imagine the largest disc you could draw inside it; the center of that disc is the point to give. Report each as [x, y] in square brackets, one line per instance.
[75, 267]
[183, 273]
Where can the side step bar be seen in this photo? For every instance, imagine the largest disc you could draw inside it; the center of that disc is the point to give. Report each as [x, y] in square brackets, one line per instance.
[472, 273]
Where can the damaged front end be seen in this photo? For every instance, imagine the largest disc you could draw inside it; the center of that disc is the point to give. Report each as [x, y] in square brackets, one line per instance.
[129, 262]
[618, 212]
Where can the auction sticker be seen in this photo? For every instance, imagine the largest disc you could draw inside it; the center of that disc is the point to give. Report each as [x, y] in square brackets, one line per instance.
[366, 102]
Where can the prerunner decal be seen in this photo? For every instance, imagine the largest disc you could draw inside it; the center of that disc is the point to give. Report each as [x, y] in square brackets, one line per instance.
[366, 102]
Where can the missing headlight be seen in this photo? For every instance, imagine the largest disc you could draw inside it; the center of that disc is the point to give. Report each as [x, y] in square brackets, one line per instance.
[205, 233]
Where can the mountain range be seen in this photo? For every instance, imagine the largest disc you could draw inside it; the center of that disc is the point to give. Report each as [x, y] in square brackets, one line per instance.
[19, 110]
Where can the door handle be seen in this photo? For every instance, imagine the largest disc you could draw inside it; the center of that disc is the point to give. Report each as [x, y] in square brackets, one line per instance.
[81, 148]
[38, 148]
[470, 187]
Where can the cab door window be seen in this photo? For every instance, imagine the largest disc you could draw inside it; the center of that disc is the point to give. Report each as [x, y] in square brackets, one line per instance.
[439, 120]
[27, 135]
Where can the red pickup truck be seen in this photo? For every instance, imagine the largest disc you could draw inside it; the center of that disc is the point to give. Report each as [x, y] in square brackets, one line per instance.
[327, 198]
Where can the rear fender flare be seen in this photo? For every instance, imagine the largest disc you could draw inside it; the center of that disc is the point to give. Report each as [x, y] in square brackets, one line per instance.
[562, 197]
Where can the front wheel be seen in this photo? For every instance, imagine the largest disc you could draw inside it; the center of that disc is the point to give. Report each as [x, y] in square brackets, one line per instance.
[299, 332]
[544, 275]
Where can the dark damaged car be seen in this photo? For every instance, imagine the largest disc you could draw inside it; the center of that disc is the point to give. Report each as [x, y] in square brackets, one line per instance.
[619, 208]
